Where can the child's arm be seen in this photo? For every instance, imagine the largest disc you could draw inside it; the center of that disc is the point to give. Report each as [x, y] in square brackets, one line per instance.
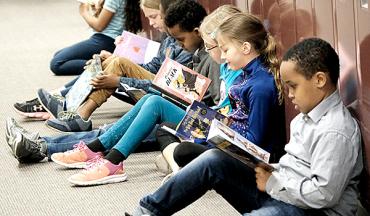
[98, 23]
[333, 158]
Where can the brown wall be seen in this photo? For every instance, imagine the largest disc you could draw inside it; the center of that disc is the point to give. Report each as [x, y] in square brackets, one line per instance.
[343, 23]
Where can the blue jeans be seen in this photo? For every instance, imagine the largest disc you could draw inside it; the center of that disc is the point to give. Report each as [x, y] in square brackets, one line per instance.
[229, 177]
[71, 60]
[135, 125]
[66, 142]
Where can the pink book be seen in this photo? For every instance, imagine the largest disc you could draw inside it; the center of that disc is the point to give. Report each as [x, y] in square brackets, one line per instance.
[138, 49]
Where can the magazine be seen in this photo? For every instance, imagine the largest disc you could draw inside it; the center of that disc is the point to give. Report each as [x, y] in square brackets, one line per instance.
[180, 83]
[133, 93]
[138, 49]
[197, 121]
[82, 87]
[238, 146]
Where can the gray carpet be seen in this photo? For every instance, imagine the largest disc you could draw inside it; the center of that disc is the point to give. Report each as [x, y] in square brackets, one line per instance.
[31, 31]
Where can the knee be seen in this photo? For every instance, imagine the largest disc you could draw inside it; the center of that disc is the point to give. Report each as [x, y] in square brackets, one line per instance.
[181, 154]
[153, 102]
[55, 66]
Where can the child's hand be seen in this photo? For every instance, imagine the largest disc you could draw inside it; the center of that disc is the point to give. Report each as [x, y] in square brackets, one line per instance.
[105, 81]
[261, 178]
[118, 40]
[104, 55]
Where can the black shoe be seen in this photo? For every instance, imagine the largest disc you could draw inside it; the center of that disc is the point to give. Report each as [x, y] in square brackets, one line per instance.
[12, 131]
[32, 109]
[25, 146]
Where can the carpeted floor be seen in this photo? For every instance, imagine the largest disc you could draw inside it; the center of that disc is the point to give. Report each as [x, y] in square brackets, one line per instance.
[31, 31]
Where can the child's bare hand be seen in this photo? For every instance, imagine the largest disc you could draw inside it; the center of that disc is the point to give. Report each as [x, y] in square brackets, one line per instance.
[261, 178]
[118, 40]
[105, 81]
[104, 55]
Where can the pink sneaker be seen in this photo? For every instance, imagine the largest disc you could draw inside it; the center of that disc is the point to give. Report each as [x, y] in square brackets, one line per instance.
[99, 171]
[77, 157]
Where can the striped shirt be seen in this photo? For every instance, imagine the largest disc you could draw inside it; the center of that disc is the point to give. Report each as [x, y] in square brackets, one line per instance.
[116, 25]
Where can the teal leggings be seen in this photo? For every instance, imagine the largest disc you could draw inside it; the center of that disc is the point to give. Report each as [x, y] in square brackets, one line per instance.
[127, 133]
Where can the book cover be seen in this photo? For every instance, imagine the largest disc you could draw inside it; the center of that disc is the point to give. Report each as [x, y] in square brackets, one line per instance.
[197, 121]
[238, 146]
[82, 87]
[181, 83]
[138, 49]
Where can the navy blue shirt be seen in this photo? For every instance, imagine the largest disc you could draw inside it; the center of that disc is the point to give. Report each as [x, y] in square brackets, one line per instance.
[256, 111]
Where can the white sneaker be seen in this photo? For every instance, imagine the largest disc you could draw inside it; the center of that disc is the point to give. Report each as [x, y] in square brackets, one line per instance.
[162, 165]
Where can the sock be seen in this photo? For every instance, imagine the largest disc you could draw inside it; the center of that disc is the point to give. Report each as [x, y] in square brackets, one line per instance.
[168, 155]
[96, 146]
[115, 156]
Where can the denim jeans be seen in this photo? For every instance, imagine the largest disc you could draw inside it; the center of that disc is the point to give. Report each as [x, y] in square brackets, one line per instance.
[71, 60]
[66, 142]
[135, 125]
[68, 86]
[229, 177]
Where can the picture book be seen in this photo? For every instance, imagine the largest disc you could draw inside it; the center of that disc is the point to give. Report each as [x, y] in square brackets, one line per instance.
[197, 121]
[133, 93]
[180, 83]
[138, 49]
[238, 146]
[82, 87]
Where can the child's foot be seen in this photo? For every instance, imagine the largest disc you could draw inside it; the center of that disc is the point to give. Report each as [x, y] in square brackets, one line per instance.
[32, 109]
[25, 146]
[69, 121]
[99, 171]
[77, 157]
[53, 104]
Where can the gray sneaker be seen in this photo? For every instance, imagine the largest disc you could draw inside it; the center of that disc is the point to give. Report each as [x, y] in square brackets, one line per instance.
[13, 131]
[69, 122]
[54, 104]
[25, 146]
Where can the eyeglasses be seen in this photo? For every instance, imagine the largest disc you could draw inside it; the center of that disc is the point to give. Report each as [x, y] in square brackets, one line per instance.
[209, 48]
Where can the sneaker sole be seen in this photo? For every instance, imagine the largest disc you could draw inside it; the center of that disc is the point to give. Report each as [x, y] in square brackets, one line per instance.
[55, 129]
[80, 165]
[105, 180]
[35, 115]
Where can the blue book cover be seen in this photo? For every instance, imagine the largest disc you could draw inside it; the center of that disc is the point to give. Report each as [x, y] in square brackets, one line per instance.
[197, 121]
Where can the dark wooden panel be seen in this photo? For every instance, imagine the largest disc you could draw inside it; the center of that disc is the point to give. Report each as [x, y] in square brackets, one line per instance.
[363, 53]
[324, 22]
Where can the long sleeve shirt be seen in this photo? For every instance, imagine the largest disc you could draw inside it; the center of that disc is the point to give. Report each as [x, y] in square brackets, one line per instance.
[256, 111]
[323, 161]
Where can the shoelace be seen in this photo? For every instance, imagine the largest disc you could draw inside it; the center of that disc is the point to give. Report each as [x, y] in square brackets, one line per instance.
[60, 98]
[79, 146]
[95, 162]
[67, 115]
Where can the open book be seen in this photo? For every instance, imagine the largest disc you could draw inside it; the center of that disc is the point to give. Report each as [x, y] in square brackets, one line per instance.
[180, 83]
[237, 146]
[82, 87]
[133, 93]
[197, 121]
[138, 49]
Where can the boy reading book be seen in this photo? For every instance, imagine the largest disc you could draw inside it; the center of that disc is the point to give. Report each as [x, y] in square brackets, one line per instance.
[319, 173]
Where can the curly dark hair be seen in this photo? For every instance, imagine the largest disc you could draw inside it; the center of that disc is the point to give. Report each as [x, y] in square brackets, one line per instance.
[188, 14]
[165, 4]
[313, 55]
[133, 16]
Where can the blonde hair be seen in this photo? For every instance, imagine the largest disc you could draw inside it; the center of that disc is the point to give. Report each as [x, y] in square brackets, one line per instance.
[211, 22]
[152, 4]
[243, 27]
